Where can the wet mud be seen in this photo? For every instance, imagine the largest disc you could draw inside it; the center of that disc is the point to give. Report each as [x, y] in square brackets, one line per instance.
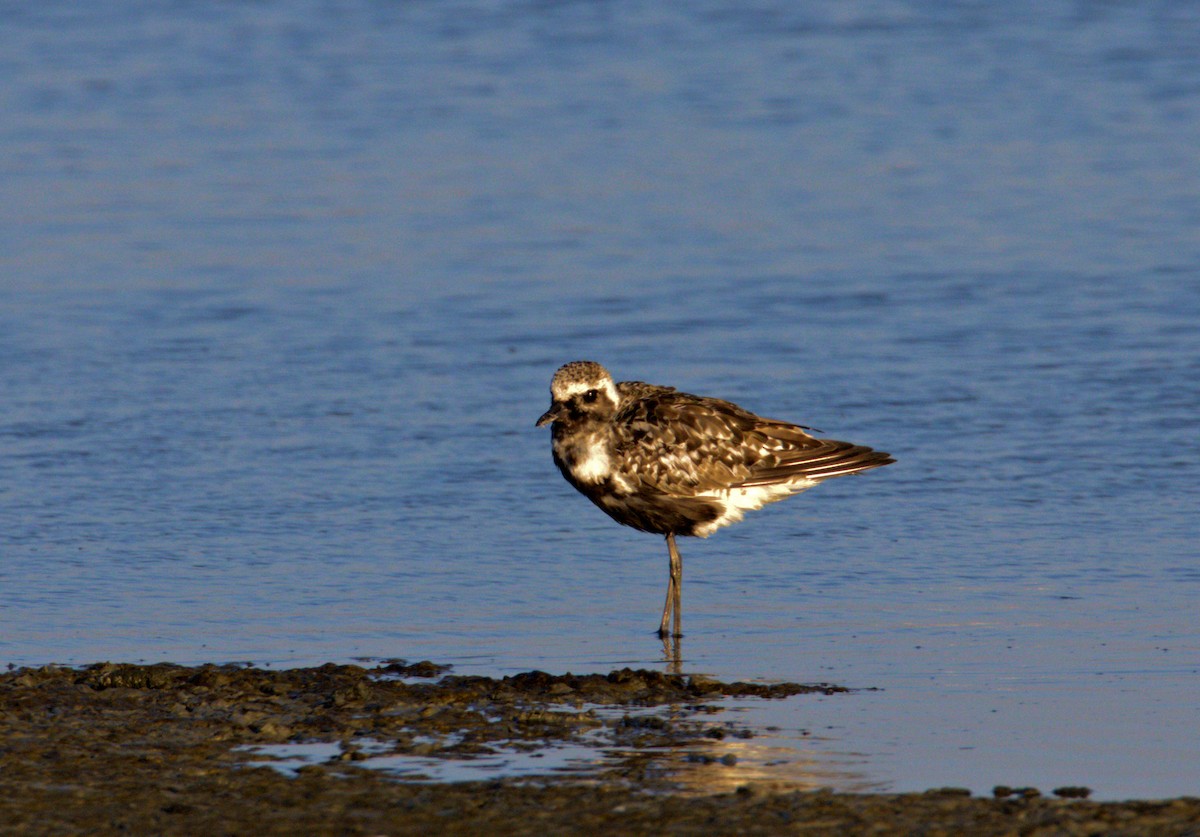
[167, 749]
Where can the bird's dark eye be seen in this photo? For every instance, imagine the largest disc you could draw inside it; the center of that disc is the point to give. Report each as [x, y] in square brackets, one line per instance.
[591, 395]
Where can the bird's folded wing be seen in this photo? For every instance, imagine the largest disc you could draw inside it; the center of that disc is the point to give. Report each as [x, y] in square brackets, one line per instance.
[680, 444]
[828, 458]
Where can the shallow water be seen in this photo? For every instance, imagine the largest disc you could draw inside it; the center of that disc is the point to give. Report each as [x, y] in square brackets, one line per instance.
[282, 288]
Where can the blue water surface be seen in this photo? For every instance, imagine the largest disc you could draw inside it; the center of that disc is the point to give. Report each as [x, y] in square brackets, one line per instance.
[282, 286]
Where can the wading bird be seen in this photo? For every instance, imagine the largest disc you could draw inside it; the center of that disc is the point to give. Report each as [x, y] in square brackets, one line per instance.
[664, 461]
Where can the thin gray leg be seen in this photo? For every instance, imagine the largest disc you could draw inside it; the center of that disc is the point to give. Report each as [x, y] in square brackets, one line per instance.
[674, 602]
[663, 630]
[677, 571]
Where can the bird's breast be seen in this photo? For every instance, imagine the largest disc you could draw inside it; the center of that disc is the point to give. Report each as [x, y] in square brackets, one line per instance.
[584, 459]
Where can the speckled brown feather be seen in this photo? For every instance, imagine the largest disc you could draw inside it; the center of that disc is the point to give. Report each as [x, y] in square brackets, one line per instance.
[679, 443]
[670, 462]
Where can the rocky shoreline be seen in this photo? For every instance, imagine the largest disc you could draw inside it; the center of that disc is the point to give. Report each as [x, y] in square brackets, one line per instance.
[167, 749]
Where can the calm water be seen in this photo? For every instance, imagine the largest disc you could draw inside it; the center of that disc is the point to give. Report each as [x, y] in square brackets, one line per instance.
[282, 286]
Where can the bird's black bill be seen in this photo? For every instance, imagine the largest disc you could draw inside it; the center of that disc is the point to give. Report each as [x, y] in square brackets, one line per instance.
[550, 415]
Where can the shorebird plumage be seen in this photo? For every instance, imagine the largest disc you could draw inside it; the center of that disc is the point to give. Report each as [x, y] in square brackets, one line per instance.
[672, 463]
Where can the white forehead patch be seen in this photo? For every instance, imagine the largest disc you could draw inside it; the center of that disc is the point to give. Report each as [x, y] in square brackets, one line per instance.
[578, 376]
[567, 389]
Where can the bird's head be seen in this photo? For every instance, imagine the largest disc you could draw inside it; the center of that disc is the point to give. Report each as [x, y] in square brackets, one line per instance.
[581, 393]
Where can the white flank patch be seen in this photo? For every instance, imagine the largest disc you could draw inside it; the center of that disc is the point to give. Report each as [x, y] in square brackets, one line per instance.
[595, 464]
[738, 501]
